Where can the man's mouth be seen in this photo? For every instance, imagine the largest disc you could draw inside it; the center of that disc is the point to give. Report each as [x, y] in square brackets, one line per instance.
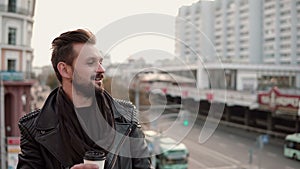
[98, 77]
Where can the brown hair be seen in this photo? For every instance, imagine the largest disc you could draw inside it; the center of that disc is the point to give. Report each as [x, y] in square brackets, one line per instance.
[62, 47]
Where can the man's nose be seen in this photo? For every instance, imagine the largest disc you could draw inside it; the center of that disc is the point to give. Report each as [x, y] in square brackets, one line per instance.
[100, 68]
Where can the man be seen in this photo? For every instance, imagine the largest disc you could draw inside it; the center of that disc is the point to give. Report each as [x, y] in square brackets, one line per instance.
[80, 115]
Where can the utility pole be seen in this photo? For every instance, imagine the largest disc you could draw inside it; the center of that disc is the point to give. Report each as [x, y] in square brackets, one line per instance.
[2, 125]
[297, 119]
[137, 93]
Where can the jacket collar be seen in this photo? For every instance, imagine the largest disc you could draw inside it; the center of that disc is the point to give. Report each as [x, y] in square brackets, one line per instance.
[48, 130]
[48, 118]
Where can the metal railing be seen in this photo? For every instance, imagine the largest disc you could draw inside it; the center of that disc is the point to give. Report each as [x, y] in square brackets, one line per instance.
[11, 76]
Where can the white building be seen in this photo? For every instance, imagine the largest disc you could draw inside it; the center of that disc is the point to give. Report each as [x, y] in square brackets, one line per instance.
[281, 19]
[242, 31]
[194, 32]
[16, 55]
[238, 36]
[16, 20]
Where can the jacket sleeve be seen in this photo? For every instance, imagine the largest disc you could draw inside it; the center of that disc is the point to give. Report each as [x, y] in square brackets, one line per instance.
[140, 155]
[30, 156]
[139, 149]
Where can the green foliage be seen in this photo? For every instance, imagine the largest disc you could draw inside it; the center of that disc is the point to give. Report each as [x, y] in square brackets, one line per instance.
[52, 81]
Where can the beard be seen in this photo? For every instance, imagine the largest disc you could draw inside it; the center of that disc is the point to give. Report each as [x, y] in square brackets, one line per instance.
[87, 89]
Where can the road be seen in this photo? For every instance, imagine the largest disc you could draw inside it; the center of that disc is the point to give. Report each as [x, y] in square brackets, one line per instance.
[227, 148]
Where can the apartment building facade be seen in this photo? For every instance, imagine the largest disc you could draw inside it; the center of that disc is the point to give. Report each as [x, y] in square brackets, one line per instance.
[281, 21]
[16, 55]
[194, 32]
[241, 31]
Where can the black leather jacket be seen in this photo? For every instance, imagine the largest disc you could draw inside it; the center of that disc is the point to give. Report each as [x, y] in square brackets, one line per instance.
[42, 148]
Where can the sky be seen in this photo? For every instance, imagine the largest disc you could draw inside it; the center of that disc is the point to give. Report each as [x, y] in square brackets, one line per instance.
[52, 17]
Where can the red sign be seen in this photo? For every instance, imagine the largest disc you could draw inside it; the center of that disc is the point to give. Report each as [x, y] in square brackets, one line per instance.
[13, 140]
[185, 93]
[274, 100]
[209, 96]
[164, 90]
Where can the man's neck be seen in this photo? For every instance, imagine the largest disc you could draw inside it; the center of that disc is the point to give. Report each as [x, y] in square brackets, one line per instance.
[78, 99]
[81, 101]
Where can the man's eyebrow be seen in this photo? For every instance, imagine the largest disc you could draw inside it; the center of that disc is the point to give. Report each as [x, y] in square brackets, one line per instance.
[95, 57]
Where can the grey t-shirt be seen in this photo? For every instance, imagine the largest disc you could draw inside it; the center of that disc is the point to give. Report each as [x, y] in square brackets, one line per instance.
[95, 126]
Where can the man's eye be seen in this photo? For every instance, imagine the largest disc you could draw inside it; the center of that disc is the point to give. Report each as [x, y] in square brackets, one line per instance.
[91, 62]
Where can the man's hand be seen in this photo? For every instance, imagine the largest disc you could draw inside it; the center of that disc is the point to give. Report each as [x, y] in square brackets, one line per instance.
[85, 166]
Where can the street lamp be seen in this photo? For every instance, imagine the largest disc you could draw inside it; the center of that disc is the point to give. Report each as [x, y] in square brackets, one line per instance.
[2, 125]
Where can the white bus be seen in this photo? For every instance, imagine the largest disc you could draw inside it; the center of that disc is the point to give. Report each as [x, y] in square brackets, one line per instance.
[292, 146]
[168, 154]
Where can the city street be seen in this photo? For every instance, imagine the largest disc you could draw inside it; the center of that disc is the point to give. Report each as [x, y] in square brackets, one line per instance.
[227, 148]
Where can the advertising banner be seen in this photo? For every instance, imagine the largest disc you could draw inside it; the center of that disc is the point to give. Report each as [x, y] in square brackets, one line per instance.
[13, 149]
[274, 100]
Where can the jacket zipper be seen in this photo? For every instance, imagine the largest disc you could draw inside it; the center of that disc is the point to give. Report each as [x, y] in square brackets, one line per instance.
[114, 159]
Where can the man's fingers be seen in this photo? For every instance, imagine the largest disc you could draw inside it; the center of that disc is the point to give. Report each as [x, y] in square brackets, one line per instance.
[85, 166]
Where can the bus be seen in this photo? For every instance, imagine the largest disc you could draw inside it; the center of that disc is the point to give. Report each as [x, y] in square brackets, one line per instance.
[165, 152]
[292, 146]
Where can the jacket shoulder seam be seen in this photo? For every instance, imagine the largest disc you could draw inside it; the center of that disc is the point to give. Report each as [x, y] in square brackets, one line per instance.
[29, 116]
[26, 122]
[125, 103]
[133, 116]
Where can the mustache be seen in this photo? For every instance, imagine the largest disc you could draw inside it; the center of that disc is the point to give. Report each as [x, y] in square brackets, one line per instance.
[97, 76]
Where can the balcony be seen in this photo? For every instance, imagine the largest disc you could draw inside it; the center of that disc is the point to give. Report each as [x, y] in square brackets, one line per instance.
[269, 35]
[285, 16]
[270, 12]
[21, 11]
[11, 76]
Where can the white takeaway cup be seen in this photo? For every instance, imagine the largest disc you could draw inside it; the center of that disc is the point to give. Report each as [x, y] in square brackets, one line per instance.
[95, 157]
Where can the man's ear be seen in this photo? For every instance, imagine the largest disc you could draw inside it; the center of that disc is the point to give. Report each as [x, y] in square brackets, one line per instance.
[65, 70]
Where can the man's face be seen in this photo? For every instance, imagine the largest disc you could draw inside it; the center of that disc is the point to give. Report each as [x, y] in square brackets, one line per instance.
[88, 71]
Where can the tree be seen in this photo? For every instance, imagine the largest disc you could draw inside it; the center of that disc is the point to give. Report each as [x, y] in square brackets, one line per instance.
[52, 81]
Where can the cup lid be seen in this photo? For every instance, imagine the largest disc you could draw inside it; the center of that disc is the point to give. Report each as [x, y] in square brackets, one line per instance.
[94, 155]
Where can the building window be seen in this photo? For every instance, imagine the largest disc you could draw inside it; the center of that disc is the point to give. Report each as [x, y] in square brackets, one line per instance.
[12, 6]
[28, 69]
[12, 35]
[28, 5]
[11, 65]
[268, 81]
